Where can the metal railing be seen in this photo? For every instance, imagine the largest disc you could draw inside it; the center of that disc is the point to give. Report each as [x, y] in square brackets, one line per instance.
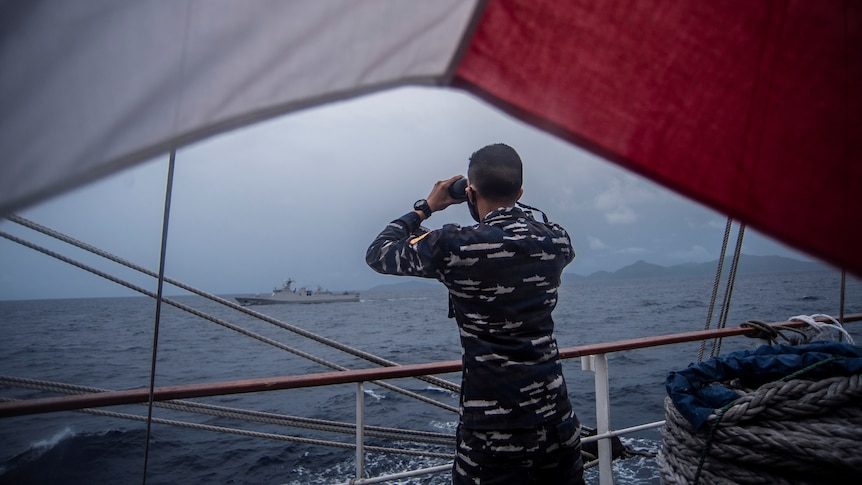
[593, 358]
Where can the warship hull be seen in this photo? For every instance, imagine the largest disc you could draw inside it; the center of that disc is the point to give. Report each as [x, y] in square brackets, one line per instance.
[298, 298]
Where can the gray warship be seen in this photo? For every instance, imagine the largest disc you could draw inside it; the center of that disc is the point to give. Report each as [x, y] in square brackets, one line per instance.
[287, 294]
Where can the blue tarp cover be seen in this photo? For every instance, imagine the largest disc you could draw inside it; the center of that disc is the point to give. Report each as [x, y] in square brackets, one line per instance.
[697, 390]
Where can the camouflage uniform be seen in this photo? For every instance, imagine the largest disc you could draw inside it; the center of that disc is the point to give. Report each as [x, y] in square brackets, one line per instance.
[502, 276]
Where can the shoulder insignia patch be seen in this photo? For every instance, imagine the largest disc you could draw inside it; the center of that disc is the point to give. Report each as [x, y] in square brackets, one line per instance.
[418, 238]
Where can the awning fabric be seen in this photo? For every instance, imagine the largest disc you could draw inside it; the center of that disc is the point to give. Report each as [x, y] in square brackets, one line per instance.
[750, 107]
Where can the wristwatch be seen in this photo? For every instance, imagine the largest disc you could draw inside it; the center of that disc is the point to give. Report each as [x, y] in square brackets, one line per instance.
[422, 205]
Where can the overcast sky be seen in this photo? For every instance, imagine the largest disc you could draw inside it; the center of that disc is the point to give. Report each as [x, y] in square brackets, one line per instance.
[303, 195]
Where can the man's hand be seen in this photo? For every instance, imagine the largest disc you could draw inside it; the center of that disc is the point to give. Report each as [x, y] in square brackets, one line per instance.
[439, 197]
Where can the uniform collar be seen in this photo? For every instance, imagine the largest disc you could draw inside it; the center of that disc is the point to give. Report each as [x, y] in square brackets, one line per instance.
[504, 214]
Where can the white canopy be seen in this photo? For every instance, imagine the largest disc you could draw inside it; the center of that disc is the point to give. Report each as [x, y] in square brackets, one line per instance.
[91, 86]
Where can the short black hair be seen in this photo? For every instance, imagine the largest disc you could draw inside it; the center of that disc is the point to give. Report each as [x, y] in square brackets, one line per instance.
[496, 172]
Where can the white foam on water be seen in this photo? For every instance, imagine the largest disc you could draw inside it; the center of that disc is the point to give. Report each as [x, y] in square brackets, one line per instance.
[376, 395]
[52, 441]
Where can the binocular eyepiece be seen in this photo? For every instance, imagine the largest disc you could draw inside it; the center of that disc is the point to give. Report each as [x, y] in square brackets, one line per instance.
[458, 190]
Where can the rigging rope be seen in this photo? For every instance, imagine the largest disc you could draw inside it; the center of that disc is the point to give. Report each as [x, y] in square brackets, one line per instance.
[218, 321]
[425, 437]
[159, 287]
[260, 316]
[841, 298]
[715, 285]
[728, 292]
[414, 437]
[768, 332]
[258, 434]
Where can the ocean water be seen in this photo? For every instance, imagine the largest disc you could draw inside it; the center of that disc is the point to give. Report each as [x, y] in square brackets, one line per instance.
[107, 343]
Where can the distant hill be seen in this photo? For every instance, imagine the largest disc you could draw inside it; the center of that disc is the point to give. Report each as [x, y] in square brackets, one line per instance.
[642, 269]
[747, 265]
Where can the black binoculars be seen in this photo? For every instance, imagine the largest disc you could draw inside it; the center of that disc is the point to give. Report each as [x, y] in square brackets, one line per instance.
[458, 190]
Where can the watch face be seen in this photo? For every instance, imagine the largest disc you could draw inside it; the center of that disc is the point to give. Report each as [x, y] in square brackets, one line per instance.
[422, 205]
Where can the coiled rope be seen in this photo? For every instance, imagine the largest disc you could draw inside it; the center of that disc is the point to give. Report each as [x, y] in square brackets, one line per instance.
[767, 332]
[798, 431]
[830, 329]
[791, 430]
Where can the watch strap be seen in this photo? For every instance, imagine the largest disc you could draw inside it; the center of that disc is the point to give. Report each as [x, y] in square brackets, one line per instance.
[422, 205]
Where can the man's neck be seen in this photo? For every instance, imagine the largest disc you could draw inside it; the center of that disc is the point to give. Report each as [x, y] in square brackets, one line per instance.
[485, 207]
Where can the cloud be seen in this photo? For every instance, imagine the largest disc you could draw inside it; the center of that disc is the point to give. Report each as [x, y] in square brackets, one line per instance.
[709, 224]
[618, 198]
[621, 215]
[596, 243]
[631, 250]
[694, 253]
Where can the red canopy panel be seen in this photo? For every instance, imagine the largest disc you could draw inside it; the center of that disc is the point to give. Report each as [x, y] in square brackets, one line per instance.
[750, 107]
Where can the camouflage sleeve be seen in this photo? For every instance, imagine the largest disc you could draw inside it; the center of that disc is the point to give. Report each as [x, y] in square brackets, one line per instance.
[397, 249]
[564, 236]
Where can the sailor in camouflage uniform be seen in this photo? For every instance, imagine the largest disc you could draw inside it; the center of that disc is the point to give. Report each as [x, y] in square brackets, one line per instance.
[517, 425]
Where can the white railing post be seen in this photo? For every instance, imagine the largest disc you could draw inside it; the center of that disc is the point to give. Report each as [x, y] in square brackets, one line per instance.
[599, 365]
[360, 430]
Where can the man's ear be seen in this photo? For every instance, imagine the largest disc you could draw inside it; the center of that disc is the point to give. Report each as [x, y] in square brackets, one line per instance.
[520, 193]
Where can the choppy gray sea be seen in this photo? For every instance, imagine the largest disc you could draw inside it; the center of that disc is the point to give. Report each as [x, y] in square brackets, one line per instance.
[107, 343]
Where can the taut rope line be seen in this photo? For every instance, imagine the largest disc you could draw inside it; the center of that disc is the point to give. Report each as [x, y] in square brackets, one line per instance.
[728, 292]
[425, 437]
[285, 326]
[715, 286]
[157, 320]
[260, 316]
[258, 434]
[218, 321]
